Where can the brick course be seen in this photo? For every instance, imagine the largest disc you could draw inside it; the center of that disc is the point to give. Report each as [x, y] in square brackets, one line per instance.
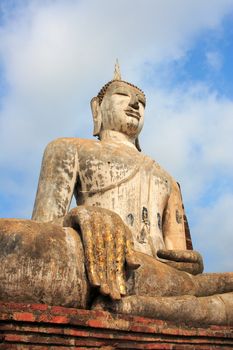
[39, 326]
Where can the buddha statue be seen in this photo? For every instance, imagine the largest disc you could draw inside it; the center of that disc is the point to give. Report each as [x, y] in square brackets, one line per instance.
[126, 246]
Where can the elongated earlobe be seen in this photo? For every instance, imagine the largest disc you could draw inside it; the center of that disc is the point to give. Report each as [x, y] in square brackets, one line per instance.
[96, 114]
[137, 144]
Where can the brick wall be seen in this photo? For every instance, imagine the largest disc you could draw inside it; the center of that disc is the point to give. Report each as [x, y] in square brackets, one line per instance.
[39, 326]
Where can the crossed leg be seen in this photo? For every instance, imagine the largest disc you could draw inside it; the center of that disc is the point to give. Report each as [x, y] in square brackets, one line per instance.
[160, 291]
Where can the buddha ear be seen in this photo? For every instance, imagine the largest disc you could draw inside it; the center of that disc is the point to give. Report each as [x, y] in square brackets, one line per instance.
[137, 144]
[97, 116]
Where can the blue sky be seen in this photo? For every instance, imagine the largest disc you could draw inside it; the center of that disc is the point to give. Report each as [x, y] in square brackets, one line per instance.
[56, 55]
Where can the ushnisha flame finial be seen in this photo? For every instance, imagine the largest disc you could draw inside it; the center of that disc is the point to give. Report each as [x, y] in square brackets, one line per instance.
[117, 77]
[117, 72]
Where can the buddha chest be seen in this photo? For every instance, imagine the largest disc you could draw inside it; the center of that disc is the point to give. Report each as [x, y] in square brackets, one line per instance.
[130, 184]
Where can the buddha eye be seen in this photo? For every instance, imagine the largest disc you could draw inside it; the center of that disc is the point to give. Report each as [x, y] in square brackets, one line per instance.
[142, 102]
[121, 93]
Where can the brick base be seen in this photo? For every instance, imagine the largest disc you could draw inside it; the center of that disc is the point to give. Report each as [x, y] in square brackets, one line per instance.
[39, 326]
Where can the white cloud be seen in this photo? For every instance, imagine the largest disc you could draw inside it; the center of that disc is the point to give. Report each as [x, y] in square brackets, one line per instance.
[57, 54]
[214, 60]
[213, 232]
[198, 122]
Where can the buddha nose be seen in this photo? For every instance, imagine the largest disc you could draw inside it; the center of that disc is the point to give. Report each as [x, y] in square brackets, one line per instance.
[134, 102]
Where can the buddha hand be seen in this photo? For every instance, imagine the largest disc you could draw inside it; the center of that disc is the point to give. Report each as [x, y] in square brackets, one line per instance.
[184, 260]
[107, 243]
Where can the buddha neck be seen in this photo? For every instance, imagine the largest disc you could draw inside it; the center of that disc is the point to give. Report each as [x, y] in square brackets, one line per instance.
[117, 137]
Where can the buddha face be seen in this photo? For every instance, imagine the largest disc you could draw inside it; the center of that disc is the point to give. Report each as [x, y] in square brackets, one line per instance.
[122, 109]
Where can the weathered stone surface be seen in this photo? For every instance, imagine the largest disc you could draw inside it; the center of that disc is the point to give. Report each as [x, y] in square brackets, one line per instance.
[41, 262]
[182, 309]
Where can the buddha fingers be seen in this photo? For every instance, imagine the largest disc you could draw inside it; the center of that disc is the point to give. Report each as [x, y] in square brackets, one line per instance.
[100, 252]
[107, 244]
[190, 256]
[110, 259]
[120, 255]
[184, 260]
[84, 219]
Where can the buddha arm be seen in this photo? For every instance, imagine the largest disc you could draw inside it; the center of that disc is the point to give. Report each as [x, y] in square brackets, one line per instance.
[176, 253]
[57, 180]
[173, 225]
[107, 243]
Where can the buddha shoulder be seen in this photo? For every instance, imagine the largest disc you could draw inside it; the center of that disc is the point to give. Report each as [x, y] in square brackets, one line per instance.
[93, 154]
[66, 142]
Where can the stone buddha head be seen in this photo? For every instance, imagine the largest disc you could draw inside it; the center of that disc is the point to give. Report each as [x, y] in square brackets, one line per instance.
[119, 106]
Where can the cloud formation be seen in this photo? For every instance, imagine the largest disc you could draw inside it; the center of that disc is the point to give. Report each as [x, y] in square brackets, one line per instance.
[55, 56]
[214, 60]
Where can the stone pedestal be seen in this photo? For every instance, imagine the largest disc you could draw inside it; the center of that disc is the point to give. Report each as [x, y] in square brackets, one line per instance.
[39, 326]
